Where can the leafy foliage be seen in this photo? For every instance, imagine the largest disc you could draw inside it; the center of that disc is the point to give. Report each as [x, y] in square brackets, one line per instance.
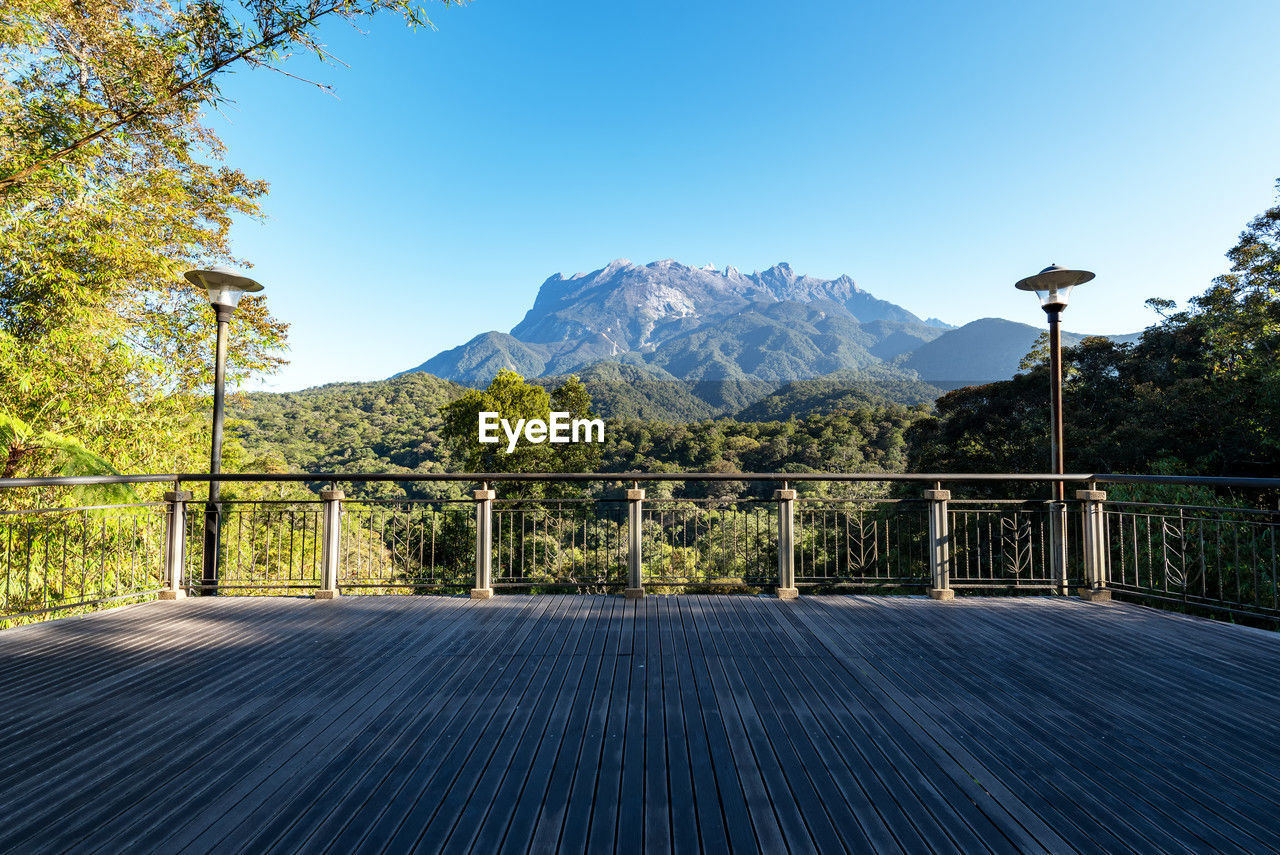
[111, 186]
[515, 400]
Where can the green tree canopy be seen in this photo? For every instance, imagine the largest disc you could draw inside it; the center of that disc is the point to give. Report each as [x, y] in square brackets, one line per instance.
[110, 187]
[514, 399]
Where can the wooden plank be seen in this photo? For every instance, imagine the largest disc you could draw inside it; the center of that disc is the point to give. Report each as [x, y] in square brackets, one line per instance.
[465, 798]
[681, 815]
[714, 808]
[736, 767]
[1054, 693]
[855, 797]
[216, 806]
[399, 811]
[567, 800]
[949, 777]
[292, 809]
[591, 824]
[629, 821]
[250, 717]
[852, 715]
[1040, 782]
[358, 767]
[867, 723]
[556, 758]
[653, 814]
[802, 816]
[538, 745]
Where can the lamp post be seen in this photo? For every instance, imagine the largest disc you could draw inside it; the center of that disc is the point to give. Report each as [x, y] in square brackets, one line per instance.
[1053, 286]
[224, 288]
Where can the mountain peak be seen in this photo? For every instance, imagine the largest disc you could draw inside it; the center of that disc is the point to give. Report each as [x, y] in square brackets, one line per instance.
[646, 312]
[780, 271]
[846, 280]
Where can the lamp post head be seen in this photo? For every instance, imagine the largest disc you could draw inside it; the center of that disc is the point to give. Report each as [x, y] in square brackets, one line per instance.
[224, 286]
[1053, 285]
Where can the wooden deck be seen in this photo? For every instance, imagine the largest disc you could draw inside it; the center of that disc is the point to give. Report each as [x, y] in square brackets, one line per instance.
[691, 723]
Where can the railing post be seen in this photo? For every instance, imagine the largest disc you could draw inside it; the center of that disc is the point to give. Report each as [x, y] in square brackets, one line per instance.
[939, 545]
[484, 544]
[1096, 554]
[1058, 545]
[786, 500]
[175, 543]
[331, 549]
[635, 530]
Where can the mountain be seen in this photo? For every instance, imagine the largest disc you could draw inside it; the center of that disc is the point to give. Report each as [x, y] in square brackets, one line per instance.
[638, 392]
[635, 308]
[696, 324]
[484, 356]
[727, 338]
[981, 351]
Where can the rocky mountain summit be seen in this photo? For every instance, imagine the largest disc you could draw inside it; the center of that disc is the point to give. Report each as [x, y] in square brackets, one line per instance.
[706, 325]
[636, 308]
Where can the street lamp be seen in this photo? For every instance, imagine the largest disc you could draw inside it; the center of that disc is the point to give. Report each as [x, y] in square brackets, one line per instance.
[224, 287]
[1053, 286]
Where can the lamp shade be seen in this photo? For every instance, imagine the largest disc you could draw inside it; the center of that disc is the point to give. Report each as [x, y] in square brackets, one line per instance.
[1053, 285]
[224, 286]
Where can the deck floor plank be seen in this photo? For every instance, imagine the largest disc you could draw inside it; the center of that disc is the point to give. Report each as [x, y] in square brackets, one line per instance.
[477, 701]
[693, 723]
[575, 751]
[1064, 780]
[544, 727]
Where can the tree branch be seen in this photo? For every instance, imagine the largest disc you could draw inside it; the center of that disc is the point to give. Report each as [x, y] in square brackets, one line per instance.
[8, 182]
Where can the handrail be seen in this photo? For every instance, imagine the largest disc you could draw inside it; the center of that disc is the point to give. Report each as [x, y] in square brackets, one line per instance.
[481, 477]
[1207, 557]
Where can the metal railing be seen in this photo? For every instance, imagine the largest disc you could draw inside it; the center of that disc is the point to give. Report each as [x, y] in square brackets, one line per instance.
[861, 544]
[578, 544]
[1010, 544]
[1211, 557]
[66, 559]
[268, 547]
[611, 538]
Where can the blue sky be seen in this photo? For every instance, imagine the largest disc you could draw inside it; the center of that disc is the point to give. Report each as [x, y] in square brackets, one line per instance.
[935, 151]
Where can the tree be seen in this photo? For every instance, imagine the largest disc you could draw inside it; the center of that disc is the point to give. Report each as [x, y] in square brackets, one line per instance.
[110, 187]
[114, 79]
[514, 399]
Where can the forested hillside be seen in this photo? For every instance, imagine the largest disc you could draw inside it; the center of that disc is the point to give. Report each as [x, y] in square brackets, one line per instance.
[391, 426]
[868, 439]
[398, 426]
[841, 391]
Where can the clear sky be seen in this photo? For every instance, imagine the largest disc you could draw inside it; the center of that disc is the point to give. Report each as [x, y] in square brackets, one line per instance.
[934, 151]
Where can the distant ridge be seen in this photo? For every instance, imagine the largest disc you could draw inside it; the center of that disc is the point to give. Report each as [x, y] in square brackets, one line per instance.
[736, 334]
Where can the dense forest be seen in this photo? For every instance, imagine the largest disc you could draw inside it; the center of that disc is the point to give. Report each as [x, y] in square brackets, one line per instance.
[399, 425]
